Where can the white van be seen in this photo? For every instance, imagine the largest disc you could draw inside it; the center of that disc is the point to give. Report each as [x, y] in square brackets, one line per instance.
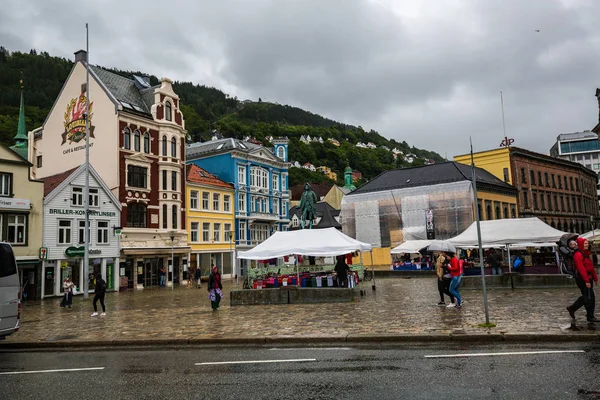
[10, 296]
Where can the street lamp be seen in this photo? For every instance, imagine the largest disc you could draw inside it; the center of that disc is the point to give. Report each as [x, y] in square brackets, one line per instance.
[172, 236]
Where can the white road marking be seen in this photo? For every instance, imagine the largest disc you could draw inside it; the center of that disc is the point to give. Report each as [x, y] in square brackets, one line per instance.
[52, 370]
[311, 348]
[512, 353]
[257, 361]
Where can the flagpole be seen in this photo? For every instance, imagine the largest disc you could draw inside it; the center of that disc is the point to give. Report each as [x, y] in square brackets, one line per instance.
[477, 219]
[86, 191]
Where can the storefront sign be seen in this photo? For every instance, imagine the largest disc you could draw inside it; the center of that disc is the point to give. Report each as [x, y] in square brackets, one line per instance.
[80, 251]
[43, 253]
[15, 204]
[92, 213]
[429, 226]
[75, 117]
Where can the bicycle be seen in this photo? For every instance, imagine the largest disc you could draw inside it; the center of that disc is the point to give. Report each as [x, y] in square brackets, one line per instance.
[367, 275]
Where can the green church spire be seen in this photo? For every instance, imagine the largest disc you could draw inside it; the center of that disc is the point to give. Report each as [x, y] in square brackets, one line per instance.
[21, 140]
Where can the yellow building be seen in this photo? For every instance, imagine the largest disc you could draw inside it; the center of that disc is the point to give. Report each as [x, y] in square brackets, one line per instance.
[328, 173]
[496, 162]
[210, 222]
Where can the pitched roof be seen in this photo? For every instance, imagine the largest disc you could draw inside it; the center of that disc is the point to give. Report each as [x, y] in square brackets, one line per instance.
[51, 182]
[221, 145]
[320, 189]
[195, 174]
[126, 91]
[325, 212]
[426, 175]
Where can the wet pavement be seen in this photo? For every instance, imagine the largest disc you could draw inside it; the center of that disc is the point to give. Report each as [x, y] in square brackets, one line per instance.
[398, 306]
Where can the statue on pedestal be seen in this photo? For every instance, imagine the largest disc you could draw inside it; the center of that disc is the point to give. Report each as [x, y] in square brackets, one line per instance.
[307, 206]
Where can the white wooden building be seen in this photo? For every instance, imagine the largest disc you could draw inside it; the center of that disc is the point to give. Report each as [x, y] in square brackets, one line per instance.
[64, 232]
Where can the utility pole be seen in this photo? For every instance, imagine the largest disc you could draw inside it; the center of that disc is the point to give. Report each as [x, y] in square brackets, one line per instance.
[86, 190]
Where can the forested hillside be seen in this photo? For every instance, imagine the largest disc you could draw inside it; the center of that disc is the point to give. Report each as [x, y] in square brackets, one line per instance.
[207, 109]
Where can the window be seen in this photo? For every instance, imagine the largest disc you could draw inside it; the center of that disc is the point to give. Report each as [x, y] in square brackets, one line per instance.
[571, 182]
[102, 232]
[241, 202]
[205, 200]
[553, 180]
[205, 232]
[577, 184]
[164, 146]
[81, 232]
[164, 179]
[525, 200]
[505, 214]
[535, 200]
[226, 203]
[173, 147]
[281, 152]
[173, 180]
[5, 184]
[16, 229]
[136, 176]
[547, 179]
[284, 208]
[556, 204]
[64, 231]
[578, 146]
[559, 182]
[549, 202]
[275, 206]
[194, 199]
[276, 182]
[506, 177]
[283, 183]
[39, 162]
[242, 231]
[241, 175]
[497, 209]
[168, 111]
[147, 143]
[165, 216]
[532, 173]
[540, 181]
[227, 232]
[126, 139]
[579, 209]
[94, 197]
[259, 177]
[259, 233]
[194, 228]
[216, 201]
[566, 185]
[568, 203]
[136, 140]
[523, 176]
[174, 217]
[136, 215]
[77, 196]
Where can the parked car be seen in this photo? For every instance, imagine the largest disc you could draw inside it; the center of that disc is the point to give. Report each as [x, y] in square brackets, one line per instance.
[10, 296]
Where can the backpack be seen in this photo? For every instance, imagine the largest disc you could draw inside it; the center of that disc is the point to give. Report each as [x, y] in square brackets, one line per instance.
[565, 255]
[518, 262]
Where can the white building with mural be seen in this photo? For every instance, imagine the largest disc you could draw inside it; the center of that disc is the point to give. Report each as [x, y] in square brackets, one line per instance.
[64, 230]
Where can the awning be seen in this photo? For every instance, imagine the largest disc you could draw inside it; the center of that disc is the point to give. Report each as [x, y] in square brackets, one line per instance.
[502, 232]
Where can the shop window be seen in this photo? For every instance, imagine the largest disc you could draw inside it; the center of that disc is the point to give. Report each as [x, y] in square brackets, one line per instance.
[5, 184]
[168, 111]
[16, 227]
[174, 216]
[147, 143]
[165, 216]
[136, 140]
[136, 176]
[216, 201]
[64, 231]
[136, 215]
[227, 203]
[94, 197]
[194, 200]
[77, 196]
[173, 147]
[126, 138]
[217, 232]
[194, 227]
[205, 201]
[206, 232]
[102, 232]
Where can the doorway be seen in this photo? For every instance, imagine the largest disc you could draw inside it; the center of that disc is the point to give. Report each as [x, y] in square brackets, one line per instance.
[151, 271]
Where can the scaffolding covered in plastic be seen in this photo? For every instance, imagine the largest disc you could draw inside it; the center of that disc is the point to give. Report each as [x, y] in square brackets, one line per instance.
[389, 217]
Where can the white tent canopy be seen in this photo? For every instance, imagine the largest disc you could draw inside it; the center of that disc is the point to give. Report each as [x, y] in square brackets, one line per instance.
[307, 242]
[410, 246]
[508, 231]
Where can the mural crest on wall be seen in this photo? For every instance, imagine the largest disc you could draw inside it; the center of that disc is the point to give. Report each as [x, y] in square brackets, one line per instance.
[75, 120]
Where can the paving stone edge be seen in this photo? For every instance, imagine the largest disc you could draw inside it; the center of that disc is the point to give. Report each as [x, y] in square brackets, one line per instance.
[491, 337]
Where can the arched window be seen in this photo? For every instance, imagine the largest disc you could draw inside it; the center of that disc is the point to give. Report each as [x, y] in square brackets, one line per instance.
[164, 146]
[559, 226]
[281, 152]
[147, 143]
[126, 139]
[136, 140]
[164, 212]
[136, 215]
[174, 217]
[173, 147]
[168, 111]
[488, 213]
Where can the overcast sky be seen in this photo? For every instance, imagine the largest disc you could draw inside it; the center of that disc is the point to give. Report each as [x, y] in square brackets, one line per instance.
[429, 72]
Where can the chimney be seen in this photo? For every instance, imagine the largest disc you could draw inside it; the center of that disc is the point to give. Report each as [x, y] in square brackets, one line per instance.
[80, 55]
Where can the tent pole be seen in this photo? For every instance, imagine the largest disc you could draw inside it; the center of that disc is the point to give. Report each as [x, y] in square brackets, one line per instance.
[297, 271]
[372, 271]
[509, 262]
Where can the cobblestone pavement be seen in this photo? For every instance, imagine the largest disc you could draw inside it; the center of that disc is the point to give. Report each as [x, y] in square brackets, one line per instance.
[399, 306]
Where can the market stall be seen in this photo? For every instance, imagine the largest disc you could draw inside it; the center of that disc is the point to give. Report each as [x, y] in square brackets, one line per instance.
[304, 243]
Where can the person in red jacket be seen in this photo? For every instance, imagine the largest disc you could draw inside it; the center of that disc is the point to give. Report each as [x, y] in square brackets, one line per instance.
[585, 278]
[455, 273]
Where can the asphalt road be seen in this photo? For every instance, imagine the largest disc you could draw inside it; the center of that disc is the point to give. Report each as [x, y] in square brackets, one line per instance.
[358, 372]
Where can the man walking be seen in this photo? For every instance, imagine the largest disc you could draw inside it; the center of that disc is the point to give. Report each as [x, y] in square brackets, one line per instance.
[163, 275]
[443, 278]
[492, 260]
[100, 292]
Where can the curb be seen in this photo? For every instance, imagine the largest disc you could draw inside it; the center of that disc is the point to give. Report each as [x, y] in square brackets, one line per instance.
[480, 338]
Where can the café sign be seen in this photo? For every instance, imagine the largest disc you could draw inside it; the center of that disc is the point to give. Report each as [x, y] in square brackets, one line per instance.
[80, 251]
[92, 213]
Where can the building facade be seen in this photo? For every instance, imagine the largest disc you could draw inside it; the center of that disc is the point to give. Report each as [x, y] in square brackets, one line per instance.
[260, 178]
[580, 147]
[211, 221]
[561, 193]
[64, 232]
[21, 214]
[137, 145]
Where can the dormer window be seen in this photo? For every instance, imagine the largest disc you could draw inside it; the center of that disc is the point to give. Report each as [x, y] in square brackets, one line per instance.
[281, 152]
[168, 111]
[126, 139]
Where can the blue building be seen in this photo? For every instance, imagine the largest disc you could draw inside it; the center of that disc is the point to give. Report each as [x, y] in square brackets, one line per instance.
[260, 179]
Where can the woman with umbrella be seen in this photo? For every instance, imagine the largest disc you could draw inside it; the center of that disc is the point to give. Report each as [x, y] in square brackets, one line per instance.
[454, 268]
